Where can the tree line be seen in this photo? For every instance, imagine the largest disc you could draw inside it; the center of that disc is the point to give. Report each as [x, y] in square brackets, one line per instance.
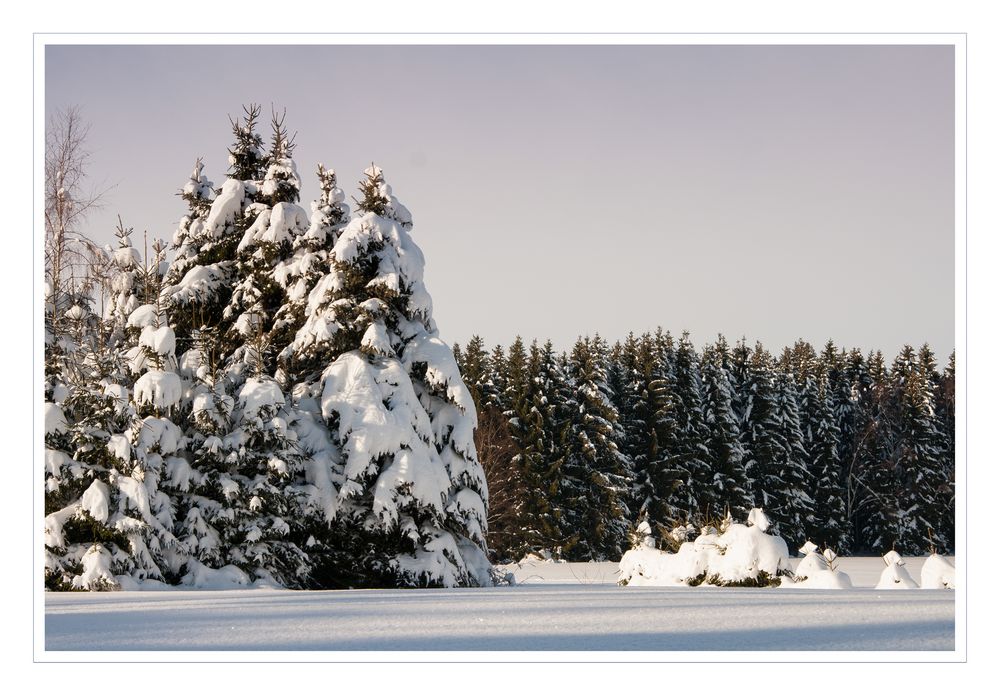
[839, 447]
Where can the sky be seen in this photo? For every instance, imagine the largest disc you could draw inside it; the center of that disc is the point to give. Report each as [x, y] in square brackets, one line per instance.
[767, 192]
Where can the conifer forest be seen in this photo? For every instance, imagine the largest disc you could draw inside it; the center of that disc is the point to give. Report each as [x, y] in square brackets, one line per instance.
[266, 397]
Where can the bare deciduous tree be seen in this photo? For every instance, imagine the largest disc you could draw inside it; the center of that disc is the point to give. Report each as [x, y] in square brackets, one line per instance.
[70, 256]
[504, 482]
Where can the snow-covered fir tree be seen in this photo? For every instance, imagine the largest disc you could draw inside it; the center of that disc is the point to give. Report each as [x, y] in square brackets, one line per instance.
[688, 449]
[656, 483]
[395, 403]
[592, 488]
[830, 526]
[726, 453]
[298, 275]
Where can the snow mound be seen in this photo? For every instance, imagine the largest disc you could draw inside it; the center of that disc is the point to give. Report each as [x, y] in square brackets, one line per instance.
[225, 578]
[895, 576]
[937, 574]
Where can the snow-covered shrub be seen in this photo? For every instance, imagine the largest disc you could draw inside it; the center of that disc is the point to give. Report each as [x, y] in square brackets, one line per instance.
[938, 573]
[818, 571]
[895, 576]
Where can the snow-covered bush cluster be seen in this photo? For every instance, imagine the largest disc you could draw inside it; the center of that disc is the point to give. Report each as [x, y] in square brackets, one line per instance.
[745, 555]
[739, 555]
[274, 406]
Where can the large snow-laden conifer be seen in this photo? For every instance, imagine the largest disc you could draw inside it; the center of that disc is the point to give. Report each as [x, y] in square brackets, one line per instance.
[396, 405]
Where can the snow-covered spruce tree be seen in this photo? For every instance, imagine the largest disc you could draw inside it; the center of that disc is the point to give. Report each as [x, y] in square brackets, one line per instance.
[541, 420]
[920, 470]
[298, 275]
[830, 527]
[775, 458]
[477, 372]
[201, 280]
[869, 477]
[794, 516]
[656, 483]
[687, 447]
[127, 284]
[944, 411]
[592, 489]
[80, 466]
[498, 368]
[413, 496]
[188, 238]
[514, 382]
[155, 440]
[240, 505]
[258, 294]
[726, 452]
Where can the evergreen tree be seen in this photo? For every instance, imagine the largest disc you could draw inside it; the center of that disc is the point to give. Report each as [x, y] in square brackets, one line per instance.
[776, 458]
[688, 450]
[726, 453]
[656, 482]
[266, 245]
[189, 238]
[871, 483]
[477, 373]
[916, 458]
[542, 435]
[822, 439]
[413, 491]
[592, 487]
[298, 275]
[944, 410]
[127, 293]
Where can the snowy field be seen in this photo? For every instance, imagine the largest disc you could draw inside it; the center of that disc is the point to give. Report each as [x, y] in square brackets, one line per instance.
[554, 607]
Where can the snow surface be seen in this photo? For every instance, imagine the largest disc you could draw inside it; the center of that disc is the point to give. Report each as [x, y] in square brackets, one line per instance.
[556, 606]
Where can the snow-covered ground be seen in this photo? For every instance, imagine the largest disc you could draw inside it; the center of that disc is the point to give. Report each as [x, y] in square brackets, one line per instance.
[554, 606]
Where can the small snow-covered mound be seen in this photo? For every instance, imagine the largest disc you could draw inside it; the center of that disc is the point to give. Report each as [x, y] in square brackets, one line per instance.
[937, 574]
[817, 571]
[226, 578]
[895, 576]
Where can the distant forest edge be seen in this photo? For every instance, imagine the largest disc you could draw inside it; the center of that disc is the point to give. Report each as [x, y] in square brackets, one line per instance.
[837, 446]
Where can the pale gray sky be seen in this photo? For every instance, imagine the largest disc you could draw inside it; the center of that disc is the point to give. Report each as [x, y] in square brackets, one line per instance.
[766, 191]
